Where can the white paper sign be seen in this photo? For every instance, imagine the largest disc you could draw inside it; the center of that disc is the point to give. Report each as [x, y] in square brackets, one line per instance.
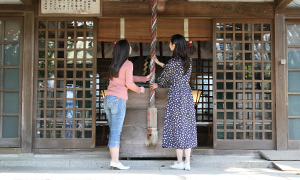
[70, 6]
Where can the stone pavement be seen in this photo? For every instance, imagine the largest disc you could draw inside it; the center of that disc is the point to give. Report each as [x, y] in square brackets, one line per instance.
[144, 173]
[95, 166]
[94, 161]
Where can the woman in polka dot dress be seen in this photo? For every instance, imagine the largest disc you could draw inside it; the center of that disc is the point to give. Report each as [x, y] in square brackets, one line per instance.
[180, 121]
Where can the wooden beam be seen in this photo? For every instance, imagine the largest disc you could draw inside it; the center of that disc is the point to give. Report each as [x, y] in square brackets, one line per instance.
[27, 2]
[138, 29]
[16, 8]
[244, 145]
[10, 150]
[11, 14]
[289, 11]
[280, 4]
[190, 9]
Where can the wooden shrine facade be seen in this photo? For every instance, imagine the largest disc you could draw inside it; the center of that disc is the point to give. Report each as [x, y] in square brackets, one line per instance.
[53, 72]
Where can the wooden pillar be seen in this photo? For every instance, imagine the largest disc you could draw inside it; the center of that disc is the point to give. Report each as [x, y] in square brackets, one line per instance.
[282, 125]
[27, 83]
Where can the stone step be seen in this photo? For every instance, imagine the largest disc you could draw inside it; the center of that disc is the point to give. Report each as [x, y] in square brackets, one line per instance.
[287, 165]
[284, 155]
[94, 161]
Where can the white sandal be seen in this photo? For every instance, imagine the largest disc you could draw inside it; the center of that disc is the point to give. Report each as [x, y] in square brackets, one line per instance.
[177, 166]
[119, 166]
[187, 166]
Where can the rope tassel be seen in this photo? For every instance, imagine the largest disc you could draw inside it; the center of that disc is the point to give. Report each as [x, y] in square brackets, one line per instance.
[152, 133]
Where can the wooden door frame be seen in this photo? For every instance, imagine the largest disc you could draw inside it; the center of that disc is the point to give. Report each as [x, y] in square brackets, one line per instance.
[79, 143]
[291, 144]
[26, 77]
[282, 16]
[17, 142]
[244, 144]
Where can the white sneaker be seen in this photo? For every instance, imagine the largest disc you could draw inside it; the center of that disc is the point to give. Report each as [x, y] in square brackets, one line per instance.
[119, 166]
[177, 166]
[187, 166]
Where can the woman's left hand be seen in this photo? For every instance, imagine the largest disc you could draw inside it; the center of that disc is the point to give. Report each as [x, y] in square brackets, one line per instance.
[158, 62]
[153, 86]
[149, 76]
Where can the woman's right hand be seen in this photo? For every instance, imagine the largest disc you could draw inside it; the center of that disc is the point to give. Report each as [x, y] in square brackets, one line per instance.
[149, 76]
[153, 86]
[142, 89]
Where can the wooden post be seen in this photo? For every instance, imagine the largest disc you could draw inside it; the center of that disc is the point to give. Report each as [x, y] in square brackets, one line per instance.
[27, 85]
[281, 78]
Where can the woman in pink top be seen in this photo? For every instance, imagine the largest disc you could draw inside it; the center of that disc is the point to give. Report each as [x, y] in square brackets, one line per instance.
[120, 79]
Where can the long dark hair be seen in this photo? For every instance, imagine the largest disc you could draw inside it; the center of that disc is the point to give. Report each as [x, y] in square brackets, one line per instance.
[120, 55]
[181, 51]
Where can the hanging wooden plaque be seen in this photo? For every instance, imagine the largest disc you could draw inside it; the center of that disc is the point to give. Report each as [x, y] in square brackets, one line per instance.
[70, 7]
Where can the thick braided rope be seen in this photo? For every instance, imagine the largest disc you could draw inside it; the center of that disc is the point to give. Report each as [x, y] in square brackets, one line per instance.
[153, 49]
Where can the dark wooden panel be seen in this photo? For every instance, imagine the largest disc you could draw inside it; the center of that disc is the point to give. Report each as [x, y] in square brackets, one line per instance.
[125, 9]
[10, 142]
[243, 144]
[190, 9]
[281, 76]
[108, 29]
[9, 14]
[167, 27]
[134, 134]
[200, 28]
[16, 7]
[138, 29]
[135, 125]
[142, 101]
[64, 143]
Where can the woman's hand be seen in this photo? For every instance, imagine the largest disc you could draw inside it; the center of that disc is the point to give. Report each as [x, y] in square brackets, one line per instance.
[158, 62]
[149, 76]
[153, 86]
[142, 89]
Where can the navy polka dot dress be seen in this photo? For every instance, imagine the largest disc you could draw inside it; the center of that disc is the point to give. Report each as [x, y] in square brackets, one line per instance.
[180, 121]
